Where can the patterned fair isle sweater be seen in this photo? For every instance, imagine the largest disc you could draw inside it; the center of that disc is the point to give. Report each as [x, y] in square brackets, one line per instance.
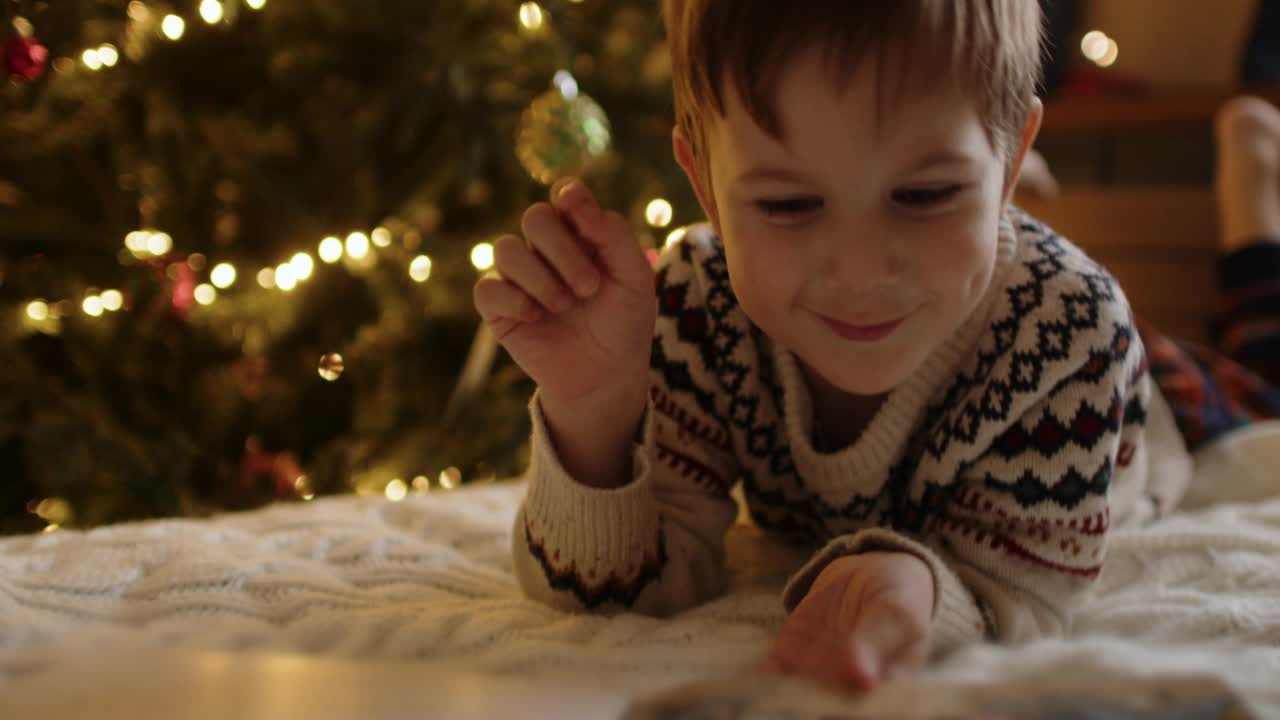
[1002, 462]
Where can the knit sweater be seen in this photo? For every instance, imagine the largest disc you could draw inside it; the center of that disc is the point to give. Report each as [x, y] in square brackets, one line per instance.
[1002, 462]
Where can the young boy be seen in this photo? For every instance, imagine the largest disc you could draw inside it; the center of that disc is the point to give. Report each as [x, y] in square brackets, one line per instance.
[948, 400]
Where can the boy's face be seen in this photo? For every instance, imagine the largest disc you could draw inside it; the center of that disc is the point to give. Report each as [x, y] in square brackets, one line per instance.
[862, 242]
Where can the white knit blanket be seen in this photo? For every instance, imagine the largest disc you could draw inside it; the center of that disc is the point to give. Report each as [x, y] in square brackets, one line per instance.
[430, 578]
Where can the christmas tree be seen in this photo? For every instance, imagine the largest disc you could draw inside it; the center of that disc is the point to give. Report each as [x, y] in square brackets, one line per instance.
[238, 237]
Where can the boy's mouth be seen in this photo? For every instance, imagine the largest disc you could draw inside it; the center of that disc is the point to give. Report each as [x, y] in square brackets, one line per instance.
[862, 333]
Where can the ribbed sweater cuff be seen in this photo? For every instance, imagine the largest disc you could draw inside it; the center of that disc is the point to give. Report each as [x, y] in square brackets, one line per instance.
[596, 530]
[957, 620]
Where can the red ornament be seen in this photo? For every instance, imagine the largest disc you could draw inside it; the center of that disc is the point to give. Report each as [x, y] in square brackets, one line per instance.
[281, 469]
[184, 289]
[24, 58]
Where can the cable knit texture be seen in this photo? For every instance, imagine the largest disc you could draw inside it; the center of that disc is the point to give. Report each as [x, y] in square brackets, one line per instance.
[1003, 462]
[429, 580]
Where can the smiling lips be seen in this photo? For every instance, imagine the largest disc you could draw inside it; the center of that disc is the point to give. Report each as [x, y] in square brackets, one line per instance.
[862, 333]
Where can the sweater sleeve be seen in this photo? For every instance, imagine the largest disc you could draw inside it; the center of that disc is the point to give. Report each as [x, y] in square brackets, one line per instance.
[1026, 528]
[655, 545]
[1020, 536]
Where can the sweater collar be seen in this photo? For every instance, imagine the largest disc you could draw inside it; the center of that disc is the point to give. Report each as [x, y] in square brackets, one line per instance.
[862, 468]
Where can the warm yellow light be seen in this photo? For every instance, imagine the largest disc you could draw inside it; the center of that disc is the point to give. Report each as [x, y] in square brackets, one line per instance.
[173, 27]
[51, 527]
[676, 236]
[397, 490]
[38, 310]
[159, 243]
[331, 250]
[255, 4]
[54, 510]
[1109, 57]
[138, 11]
[92, 306]
[302, 265]
[91, 60]
[421, 484]
[420, 268]
[450, 478]
[211, 11]
[658, 212]
[482, 256]
[205, 294]
[112, 300]
[566, 84]
[137, 241]
[531, 16]
[108, 54]
[1094, 44]
[223, 275]
[331, 366]
[286, 277]
[357, 245]
[267, 278]
[197, 261]
[381, 237]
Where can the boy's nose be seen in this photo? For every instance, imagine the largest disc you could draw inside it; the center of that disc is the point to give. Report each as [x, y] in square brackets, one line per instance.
[862, 262]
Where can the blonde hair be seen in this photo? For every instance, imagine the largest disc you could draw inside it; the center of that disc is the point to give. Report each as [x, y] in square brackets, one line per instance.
[991, 48]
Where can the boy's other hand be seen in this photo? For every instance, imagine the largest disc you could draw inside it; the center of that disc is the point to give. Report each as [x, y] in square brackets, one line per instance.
[573, 301]
[865, 619]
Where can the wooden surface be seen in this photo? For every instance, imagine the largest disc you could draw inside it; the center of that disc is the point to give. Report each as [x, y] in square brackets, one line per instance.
[213, 686]
[1159, 242]
[1106, 114]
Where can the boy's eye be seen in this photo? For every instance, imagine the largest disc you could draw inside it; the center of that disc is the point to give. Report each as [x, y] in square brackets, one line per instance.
[789, 207]
[924, 198]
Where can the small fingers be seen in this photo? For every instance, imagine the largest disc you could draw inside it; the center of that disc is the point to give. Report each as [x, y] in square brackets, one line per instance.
[519, 265]
[907, 661]
[577, 204]
[496, 299]
[556, 243]
[606, 234]
[886, 640]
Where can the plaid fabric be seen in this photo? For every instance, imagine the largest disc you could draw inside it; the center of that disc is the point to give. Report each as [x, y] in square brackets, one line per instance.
[1214, 391]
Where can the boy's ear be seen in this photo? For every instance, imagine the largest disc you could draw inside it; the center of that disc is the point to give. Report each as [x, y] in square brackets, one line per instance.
[683, 150]
[1030, 129]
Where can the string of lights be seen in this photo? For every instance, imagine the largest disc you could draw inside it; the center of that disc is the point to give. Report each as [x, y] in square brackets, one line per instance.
[43, 314]
[209, 280]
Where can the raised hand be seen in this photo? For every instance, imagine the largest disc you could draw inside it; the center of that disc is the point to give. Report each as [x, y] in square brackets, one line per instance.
[573, 303]
[865, 619]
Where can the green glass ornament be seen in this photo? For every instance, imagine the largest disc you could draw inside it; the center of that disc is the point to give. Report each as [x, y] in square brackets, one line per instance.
[562, 132]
